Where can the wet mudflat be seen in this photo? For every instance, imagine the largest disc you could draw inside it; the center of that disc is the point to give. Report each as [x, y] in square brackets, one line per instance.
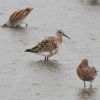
[26, 76]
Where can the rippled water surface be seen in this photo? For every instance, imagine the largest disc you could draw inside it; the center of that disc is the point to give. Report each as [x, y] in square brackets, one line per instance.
[26, 76]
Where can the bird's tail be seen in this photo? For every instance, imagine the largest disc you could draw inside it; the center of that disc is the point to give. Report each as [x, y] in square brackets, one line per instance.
[28, 50]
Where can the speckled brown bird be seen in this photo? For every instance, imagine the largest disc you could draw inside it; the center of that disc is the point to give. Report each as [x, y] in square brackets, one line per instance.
[86, 72]
[49, 46]
[17, 18]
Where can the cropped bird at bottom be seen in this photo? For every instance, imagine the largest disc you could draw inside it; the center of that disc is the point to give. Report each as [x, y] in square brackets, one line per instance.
[17, 18]
[49, 46]
[86, 72]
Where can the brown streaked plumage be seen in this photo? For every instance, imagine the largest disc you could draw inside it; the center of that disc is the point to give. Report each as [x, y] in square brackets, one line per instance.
[17, 18]
[49, 46]
[86, 72]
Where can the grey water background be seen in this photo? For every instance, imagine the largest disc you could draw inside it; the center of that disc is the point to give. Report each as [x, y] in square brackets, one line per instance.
[26, 76]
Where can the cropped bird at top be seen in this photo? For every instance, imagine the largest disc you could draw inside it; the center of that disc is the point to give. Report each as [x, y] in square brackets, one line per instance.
[86, 72]
[17, 18]
[49, 46]
[92, 0]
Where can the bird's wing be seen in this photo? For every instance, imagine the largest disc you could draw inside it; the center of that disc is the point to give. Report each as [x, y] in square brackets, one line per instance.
[18, 15]
[46, 45]
[89, 73]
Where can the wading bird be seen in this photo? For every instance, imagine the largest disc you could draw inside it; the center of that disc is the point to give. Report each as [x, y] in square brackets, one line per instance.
[17, 18]
[49, 46]
[86, 72]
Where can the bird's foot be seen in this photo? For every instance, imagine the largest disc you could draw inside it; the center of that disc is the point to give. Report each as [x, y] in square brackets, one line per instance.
[84, 85]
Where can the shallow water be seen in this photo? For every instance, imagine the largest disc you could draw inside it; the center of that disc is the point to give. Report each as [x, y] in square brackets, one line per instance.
[26, 76]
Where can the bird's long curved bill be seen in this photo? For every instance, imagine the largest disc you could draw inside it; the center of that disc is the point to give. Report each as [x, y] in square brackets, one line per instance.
[66, 36]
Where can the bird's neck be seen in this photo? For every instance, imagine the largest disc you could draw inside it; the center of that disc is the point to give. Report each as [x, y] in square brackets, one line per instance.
[59, 39]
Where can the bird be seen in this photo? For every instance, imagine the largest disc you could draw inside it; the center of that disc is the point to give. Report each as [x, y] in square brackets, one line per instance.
[86, 72]
[48, 46]
[17, 18]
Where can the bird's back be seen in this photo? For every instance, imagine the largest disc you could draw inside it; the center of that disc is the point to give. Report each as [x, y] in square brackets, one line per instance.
[18, 15]
[46, 45]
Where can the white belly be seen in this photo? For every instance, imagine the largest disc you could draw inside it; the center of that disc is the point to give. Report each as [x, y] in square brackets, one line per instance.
[18, 23]
[48, 54]
[44, 53]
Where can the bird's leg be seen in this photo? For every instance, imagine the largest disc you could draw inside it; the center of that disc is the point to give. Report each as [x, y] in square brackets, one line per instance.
[26, 24]
[84, 85]
[91, 85]
[46, 58]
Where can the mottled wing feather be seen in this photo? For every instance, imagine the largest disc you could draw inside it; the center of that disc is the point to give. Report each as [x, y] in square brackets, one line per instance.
[88, 73]
[18, 15]
[46, 45]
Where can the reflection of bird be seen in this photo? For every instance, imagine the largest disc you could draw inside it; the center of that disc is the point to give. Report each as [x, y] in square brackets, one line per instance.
[17, 17]
[49, 46]
[52, 65]
[86, 72]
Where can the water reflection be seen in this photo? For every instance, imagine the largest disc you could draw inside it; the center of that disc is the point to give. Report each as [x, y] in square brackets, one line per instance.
[20, 35]
[87, 94]
[19, 29]
[52, 65]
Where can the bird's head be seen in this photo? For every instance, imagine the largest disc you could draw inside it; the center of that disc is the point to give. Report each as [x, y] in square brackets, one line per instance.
[7, 24]
[84, 61]
[28, 10]
[60, 33]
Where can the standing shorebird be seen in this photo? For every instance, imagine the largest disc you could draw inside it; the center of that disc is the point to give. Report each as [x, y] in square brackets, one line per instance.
[49, 46]
[17, 18]
[86, 72]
